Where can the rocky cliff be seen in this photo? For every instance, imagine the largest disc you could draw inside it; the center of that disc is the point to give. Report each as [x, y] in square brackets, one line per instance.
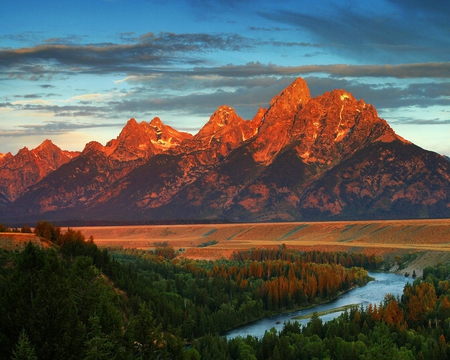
[28, 167]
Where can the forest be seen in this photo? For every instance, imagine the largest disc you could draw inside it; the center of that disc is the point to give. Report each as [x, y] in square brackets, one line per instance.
[74, 300]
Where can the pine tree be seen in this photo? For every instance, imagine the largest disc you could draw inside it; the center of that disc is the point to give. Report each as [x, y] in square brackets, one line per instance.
[23, 349]
[98, 346]
[147, 335]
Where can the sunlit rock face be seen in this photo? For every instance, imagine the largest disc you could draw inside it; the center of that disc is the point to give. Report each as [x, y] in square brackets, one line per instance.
[28, 167]
[301, 158]
[224, 132]
[277, 124]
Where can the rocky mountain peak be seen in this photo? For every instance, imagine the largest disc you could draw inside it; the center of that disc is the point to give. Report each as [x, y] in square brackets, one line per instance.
[45, 145]
[289, 101]
[4, 158]
[140, 141]
[166, 137]
[327, 127]
[224, 132]
[133, 143]
[27, 167]
[157, 123]
[224, 116]
[277, 122]
[93, 146]
[23, 151]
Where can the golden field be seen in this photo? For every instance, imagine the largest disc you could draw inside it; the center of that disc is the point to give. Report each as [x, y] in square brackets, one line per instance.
[430, 238]
[383, 236]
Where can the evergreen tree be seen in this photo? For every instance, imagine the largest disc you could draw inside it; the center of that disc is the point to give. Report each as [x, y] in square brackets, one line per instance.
[146, 334]
[98, 346]
[23, 349]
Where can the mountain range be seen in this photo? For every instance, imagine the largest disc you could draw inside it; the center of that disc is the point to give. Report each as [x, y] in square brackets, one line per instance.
[324, 158]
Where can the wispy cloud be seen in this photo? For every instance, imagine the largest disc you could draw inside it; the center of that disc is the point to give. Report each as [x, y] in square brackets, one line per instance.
[147, 51]
[183, 54]
[52, 128]
[415, 70]
[406, 31]
[408, 121]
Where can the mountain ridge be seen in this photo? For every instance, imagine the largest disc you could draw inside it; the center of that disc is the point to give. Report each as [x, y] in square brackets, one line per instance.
[302, 158]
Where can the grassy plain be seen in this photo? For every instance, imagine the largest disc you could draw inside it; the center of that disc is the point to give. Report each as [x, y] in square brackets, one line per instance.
[369, 236]
[430, 238]
[214, 241]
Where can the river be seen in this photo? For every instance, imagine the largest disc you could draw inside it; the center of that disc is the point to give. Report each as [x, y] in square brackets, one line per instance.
[374, 292]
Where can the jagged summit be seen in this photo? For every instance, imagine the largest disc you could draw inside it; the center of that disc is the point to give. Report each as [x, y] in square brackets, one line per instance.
[166, 136]
[27, 167]
[5, 157]
[140, 141]
[291, 99]
[302, 158]
[225, 120]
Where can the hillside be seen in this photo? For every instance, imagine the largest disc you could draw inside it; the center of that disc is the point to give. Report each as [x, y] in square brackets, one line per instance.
[18, 241]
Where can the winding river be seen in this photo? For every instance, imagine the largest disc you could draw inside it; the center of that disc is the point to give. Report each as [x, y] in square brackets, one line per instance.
[374, 292]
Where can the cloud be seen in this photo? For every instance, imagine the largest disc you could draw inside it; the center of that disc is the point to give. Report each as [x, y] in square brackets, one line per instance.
[74, 110]
[416, 70]
[66, 40]
[408, 121]
[52, 128]
[384, 34]
[216, 8]
[24, 37]
[187, 54]
[148, 50]
[29, 102]
[93, 97]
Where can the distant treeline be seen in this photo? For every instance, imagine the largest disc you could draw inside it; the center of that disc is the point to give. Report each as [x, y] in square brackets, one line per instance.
[22, 229]
[81, 223]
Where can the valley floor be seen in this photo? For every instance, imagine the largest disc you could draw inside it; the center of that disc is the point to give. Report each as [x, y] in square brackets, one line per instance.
[214, 241]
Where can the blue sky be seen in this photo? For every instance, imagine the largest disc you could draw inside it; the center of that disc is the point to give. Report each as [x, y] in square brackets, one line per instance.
[76, 71]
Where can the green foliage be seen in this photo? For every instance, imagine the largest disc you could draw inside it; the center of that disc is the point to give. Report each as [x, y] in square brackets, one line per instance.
[47, 230]
[25, 229]
[4, 228]
[208, 243]
[166, 251]
[23, 349]
[76, 301]
[370, 262]
[148, 341]
[98, 345]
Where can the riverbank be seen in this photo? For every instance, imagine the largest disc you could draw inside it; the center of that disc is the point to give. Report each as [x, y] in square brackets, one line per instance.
[325, 312]
[372, 292]
[420, 261]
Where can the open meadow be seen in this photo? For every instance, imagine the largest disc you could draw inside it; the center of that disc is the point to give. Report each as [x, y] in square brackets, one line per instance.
[430, 238]
[214, 241]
